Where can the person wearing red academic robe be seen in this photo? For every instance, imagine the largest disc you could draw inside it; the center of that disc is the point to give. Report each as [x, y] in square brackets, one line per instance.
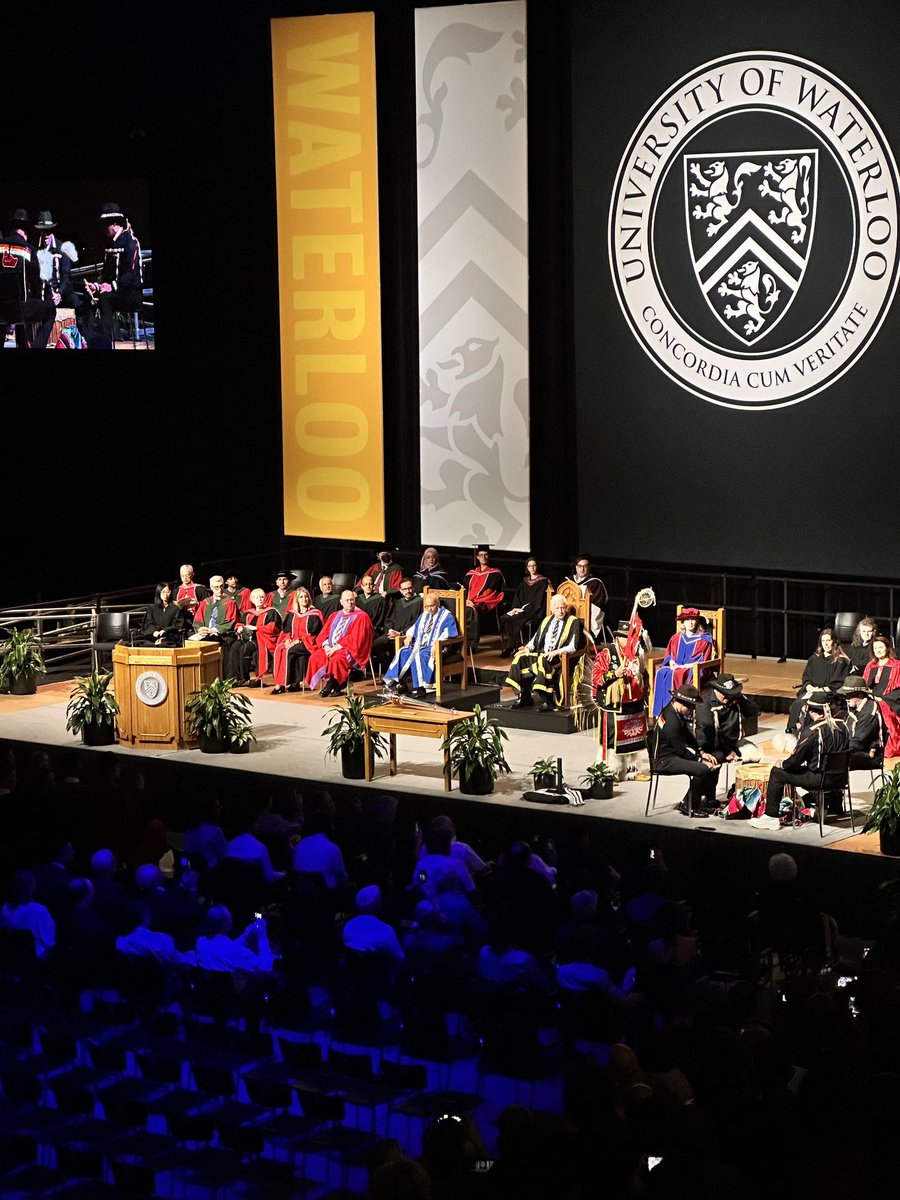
[692, 644]
[295, 647]
[189, 593]
[257, 631]
[485, 589]
[281, 595]
[344, 645]
[386, 575]
[882, 675]
[216, 616]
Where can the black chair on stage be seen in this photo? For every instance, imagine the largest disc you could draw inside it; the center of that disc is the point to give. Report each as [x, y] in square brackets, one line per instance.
[301, 577]
[343, 580]
[109, 629]
[835, 778]
[845, 624]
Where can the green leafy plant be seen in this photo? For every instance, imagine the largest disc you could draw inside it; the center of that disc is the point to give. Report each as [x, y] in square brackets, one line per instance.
[543, 766]
[476, 743]
[217, 711]
[91, 701]
[22, 655]
[597, 772]
[346, 729]
[884, 815]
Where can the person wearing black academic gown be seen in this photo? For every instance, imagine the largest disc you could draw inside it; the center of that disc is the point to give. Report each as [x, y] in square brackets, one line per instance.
[165, 622]
[826, 669]
[678, 752]
[529, 604]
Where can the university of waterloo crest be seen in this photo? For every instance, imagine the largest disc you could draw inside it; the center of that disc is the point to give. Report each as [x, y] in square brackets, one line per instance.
[750, 223]
[753, 230]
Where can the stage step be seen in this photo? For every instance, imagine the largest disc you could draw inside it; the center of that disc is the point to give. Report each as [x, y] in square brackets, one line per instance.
[485, 694]
[560, 721]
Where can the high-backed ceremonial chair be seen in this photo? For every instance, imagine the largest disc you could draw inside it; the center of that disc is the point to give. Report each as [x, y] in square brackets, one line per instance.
[714, 665]
[343, 580]
[579, 606]
[452, 656]
[301, 577]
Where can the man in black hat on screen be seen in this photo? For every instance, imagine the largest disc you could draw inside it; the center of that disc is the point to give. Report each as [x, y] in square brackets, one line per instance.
[21, 288]
[121, 285]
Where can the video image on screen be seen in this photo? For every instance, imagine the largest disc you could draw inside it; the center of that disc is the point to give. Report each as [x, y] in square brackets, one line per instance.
[76, 266]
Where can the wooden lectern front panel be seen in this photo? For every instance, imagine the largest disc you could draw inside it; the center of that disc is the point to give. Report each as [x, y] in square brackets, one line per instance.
[153, 684]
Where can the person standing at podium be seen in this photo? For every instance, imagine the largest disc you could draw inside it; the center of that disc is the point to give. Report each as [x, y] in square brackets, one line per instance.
[166, 623]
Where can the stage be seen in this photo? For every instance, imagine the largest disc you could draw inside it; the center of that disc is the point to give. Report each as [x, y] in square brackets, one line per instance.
[290, 745]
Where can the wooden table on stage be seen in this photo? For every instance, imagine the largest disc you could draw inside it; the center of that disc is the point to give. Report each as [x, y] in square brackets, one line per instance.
[408, 719]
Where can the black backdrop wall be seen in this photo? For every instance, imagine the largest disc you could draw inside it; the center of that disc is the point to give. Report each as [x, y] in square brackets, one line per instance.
[675, 476]
[118, 467]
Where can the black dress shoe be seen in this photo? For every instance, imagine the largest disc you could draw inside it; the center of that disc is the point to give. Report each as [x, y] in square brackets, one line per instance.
[547, 706]
[522, 702]
[326, 689]
[253, 683]
[418, 693]
[293, 687]
[277, 691]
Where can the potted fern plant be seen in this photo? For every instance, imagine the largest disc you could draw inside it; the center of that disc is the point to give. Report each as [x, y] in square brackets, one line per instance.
[22, 662]
[346, 733]
[92, 709]
[884, 815]
[475, 751]
[598, 779]
[543, 771]
[219, 717]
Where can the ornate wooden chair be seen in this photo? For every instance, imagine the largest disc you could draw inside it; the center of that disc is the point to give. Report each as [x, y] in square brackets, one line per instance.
[451, 656]
[714, 665]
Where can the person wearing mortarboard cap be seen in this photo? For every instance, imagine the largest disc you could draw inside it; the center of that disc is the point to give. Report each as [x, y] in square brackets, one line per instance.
[32, 315]
[691, 644]
[805, 767]
[120, 288]
[720, 721]
[485, 590]
[677, 751]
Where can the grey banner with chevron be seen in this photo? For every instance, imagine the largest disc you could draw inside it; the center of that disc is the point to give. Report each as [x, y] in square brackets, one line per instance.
[473, 274]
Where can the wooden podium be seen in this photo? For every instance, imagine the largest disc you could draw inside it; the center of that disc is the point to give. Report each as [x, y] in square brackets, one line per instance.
[152, 685]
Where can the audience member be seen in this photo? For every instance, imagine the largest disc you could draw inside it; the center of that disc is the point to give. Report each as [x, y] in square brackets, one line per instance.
[367, 933]
[317, 853]
[217, 950]
[22, 911]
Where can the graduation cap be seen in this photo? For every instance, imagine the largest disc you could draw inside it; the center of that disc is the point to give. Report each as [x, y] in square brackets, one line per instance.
[486, 546]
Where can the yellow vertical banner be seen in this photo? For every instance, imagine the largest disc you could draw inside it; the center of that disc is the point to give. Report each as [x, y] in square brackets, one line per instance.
[326, 178]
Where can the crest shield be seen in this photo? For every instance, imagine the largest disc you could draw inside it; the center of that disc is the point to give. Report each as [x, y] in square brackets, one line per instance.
[750, 223]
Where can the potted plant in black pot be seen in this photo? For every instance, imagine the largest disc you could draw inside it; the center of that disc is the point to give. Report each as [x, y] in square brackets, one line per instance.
[884, 815]
[92, 709]
[346, 732]
[475, 750]
[543, 771]
[22, 662]
[219, 717]
[598, 779]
